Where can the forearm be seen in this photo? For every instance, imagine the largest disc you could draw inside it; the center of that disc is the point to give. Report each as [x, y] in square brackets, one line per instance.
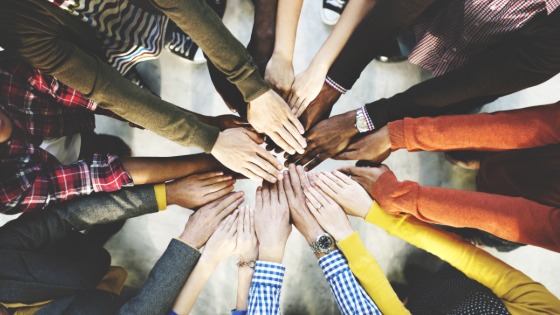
[244, 278]
[353, 14]
[520, 294]
[192, 288]
[264, 295]
[148, 170]
[512, 218]
[286, 28]
[366, 269]
[515, 129]
[382, 24]
[197, 19]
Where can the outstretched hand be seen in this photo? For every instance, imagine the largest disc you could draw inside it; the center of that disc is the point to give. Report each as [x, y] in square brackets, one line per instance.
[247, 243]
[223, 241]
[365, 176]
[375, 147]
[352, 197]
[196, 190]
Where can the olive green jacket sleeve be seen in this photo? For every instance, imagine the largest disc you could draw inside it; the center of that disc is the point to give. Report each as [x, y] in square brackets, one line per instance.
[34, 34]
[202, 24]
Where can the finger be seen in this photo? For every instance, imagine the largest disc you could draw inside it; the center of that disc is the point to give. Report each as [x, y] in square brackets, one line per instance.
[312, 209]
[328, 176]
[319, 196]
[317, 160]
[252, 219]
[302, 108]
[261, 173]
[259, 198]
[263, 153]
[299, 102]
[274, 196]
[302, 177]
[326, 188]
[205, 176]
[292, 138]
[316, 204]
[230, 199]
[254, 136]
[309, 155]
[230, 208]
[218, 186]
[347, 180]
[231, 227]
[246, 222]
[218, 194]
[292, 99]
[272, 171]
[349, 170]
[281, 193]
[288, 189]
[252, 176]
[347, 155]
[209, 180]
[294, 132]
[281, 143]
[240, 223]
[265, 195]
[293, 119]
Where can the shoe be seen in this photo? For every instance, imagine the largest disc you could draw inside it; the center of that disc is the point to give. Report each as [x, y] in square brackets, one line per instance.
[331, 10]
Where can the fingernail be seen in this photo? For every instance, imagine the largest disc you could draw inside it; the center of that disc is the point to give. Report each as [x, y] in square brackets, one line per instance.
[272, 179]
[279, 167]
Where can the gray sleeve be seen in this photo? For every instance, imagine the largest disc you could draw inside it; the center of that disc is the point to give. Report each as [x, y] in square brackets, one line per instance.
[42, 229]
[164, 282]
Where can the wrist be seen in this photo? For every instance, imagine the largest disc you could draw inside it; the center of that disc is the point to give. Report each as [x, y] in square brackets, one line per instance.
[350, 123]
[311, 236]
[191, 240]
[283, 56]
[320, 66]
[271, 254]
[343, 233]
[170, 193]
[209, 260]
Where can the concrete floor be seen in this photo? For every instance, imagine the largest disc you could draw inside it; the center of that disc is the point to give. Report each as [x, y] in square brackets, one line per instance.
[141, 242]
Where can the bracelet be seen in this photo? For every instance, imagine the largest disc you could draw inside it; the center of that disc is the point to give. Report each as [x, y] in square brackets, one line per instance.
[250, 264]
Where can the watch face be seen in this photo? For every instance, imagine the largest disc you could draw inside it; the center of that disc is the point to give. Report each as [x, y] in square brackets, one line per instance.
[325, 243]
[361, 124]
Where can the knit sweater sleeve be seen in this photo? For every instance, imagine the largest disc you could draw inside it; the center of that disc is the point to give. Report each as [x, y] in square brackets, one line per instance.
[519, 293]
[512, 218]
[196, 18]
[514, 129]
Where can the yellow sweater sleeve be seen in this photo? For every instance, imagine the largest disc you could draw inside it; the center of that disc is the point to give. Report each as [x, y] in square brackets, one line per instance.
[519, 293]
[366, 269]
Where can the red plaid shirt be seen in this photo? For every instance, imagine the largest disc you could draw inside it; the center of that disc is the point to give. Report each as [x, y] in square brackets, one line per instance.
[464, 29]
[41, 107]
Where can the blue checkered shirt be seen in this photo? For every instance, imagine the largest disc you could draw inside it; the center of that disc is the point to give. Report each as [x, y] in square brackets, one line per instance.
[264, 295]
[348, 293]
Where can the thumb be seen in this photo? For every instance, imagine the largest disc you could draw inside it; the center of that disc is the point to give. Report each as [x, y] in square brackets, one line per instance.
[349, 170]
[346, 155]
[254, 136]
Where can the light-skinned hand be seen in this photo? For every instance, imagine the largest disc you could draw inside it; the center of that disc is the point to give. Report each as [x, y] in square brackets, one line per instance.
[238, 149]
[280, 74]
[294, 181]
[222, 243]
[306, 87]
[203, 222]
[327, 139]
[328, 213]
[272, 222]
[196, 190]
[365, 176]
[247, 243]
[270, 114]
[352, 197]
[375, 147]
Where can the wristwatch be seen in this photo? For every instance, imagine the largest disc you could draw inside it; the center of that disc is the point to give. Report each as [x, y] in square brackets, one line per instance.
[324, 243]
[362, 123]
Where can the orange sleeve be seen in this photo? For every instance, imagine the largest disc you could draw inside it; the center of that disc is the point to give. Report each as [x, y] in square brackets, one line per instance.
[512, 218]
[514, 129]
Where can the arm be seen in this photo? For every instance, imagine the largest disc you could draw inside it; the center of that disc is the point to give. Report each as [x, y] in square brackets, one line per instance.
[264, 295]
[366, 269]
[512, 218]
[247, 253]
[515, 129]
[307, 84]
[520, 294]
[348, 293]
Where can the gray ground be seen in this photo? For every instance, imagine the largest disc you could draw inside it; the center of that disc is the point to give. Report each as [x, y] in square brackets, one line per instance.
[305, 291]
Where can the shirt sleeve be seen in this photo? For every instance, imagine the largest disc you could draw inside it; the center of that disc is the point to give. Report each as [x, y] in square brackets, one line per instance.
[264, 294]
[512, 218]
[366, 269]
[514, 129]
[348, 293]
[53, 184]
[238, 312]
[519, 293]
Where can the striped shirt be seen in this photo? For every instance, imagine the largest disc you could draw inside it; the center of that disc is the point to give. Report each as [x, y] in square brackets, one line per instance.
[129, 34]
[466, 28]
[348, 293]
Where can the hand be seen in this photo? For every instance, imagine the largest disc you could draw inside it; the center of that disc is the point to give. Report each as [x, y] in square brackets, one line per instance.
[239, 150]
[306, 87]
[320, 108]
[328, 213]
[247, 244]
[222, 243]
[196, 190]
[269, 114]
[203, 223]
[280, 74]
[327, 139]
[272, 222]
[365, 176]
[375, 147]
[294, 181]
[346, 192]
[224, 122]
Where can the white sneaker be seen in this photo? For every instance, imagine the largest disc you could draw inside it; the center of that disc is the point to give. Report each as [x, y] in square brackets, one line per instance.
[331, 10]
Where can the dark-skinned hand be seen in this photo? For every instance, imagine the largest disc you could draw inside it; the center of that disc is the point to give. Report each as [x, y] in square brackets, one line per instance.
[365, 176]
[374, 147]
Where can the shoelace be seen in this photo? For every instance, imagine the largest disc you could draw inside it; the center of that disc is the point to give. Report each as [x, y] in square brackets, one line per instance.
[337, 3]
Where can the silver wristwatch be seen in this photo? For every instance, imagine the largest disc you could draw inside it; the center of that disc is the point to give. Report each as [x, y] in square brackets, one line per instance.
[362, 121]
[324, 243]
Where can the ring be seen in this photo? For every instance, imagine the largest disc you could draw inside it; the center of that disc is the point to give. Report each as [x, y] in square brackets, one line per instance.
[321, 207]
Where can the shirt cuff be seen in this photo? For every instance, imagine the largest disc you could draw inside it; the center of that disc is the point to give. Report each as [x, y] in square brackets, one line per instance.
[353, 247]
[363, 111]
[189, 245]
[161, 197]
[333, 264]
[396, 134]
[108, 173]
[238, 312]
[383, 189]
[268, 273]
[335, 85]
